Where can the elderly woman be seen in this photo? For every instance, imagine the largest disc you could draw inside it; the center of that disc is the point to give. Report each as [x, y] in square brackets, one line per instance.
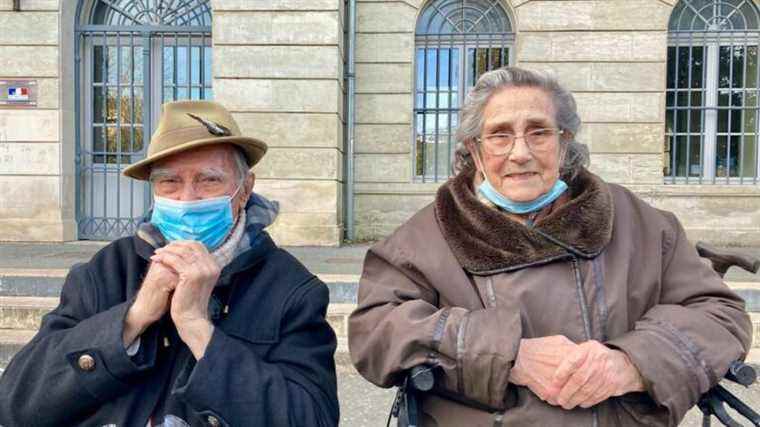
[542, 294]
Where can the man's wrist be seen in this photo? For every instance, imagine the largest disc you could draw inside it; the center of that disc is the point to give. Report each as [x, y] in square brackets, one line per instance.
[196, 333]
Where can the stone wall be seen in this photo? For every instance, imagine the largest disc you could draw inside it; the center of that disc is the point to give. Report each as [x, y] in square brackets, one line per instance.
[30, 138]
[611, 53]
[278, 66]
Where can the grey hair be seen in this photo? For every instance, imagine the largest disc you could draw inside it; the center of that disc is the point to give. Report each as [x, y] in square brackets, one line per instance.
[472, 121]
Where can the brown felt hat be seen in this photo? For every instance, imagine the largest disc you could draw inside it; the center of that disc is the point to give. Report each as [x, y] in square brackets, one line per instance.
[185, 125]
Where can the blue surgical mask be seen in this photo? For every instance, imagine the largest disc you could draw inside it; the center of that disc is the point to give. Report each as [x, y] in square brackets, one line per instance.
[498, 199]
[207, 221]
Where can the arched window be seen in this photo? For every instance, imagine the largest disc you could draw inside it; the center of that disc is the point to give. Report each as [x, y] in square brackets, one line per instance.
[712, 92]
[456, 42]
[133, 55]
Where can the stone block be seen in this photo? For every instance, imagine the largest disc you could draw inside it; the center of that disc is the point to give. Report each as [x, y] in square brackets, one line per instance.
[718, 212]
[16, 203]
[34, 230]
[383, 108]
[266, 27]
[377, 215]
[385, 17]
[384, 78]
[292, 129]
[293, 62]
[29, 5]
[48, 93]
[243, 95]
[377, 47]
[300, 163]
[593, 15]
[29, 28]
[592, 46]
[15, 61]
[605, 76]
[303, 196]
[642, 107]
[29, 125]
[612, 167]
[269, 5]
[646, 168]
[20, 158]
[623, 137]
[390, 139]
[383, 168]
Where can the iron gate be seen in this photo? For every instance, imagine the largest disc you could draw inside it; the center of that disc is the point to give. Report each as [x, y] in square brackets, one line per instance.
[132, 56]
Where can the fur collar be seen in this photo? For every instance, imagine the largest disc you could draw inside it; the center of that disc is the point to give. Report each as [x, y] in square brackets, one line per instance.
[486, 241]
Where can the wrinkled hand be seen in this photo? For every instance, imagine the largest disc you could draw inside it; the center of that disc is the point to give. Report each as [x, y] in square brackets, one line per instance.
[197, 273]
[152, 301]
[537, 361]
[592, 373]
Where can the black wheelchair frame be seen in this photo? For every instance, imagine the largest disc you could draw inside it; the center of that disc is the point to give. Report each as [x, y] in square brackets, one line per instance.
[421, 379]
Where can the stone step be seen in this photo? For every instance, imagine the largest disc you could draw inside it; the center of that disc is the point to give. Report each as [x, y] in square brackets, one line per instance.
[28, 282]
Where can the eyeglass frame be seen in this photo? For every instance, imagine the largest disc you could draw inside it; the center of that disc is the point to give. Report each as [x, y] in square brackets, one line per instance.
[525, 137]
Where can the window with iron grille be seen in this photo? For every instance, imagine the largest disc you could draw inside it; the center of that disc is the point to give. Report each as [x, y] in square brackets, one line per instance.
[455, 42]
[712, 93]
[132, 56]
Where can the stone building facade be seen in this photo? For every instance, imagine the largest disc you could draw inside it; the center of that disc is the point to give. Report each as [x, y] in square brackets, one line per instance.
[280, 66]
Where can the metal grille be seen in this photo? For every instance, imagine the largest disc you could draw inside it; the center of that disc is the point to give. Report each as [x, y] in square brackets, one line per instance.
[712, 93]
[132, 57]
[456, 42]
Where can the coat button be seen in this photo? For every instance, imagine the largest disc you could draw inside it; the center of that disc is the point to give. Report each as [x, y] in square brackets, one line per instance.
[86, 362]
[213, 421]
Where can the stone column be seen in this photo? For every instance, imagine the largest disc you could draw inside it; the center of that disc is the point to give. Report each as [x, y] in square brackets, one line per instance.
[30, 148]
[278, 66]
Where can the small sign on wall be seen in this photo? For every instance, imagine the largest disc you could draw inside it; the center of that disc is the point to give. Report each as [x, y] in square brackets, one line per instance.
[18, 93]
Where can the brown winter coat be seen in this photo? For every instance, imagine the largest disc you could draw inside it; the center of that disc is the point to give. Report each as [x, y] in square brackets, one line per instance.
[460, 284]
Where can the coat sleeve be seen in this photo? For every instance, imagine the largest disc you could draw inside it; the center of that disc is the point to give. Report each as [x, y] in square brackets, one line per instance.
[683, 345]
[398, 324]
[44, 385]
[293, 385]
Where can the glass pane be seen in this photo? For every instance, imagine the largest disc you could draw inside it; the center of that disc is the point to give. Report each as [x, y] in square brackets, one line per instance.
[737, 76]
[671, 78]
[681, 120]
[126, 106]
[98, 104]
[98, 61]
[111, 102]
[666, 153]
[681, 156]
[125, 76]
[724, 69]
[733, 160]
[112, 64]
[182, 66]
[182, 93]
[721, 158]
[697, 59]
[138, 104]
[208, 76]
[195, 61]
[695, 160]
[669, 121]
[752, 75]
[749, 157]
[169, 93]
[208, 94]
[168, 69]
[138, 59]
[196, 93]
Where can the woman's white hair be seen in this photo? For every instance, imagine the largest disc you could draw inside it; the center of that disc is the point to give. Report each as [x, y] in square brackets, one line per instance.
[471, 116]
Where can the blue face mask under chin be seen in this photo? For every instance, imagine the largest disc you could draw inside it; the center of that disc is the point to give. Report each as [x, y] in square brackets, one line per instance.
[207, 221]
[498, 199]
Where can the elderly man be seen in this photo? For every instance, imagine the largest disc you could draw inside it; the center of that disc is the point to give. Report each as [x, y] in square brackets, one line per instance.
[198, 319]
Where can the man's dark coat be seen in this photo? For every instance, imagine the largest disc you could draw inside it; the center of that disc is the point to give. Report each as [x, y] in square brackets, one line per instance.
[269, 362]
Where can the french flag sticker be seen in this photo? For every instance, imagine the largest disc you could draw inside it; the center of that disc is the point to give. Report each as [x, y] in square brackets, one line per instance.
[18, 93]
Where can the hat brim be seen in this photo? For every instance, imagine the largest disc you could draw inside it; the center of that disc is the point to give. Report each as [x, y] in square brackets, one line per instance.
[253, 148]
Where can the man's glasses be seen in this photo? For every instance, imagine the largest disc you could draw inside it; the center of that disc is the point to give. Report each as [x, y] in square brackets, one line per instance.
[537, 140]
